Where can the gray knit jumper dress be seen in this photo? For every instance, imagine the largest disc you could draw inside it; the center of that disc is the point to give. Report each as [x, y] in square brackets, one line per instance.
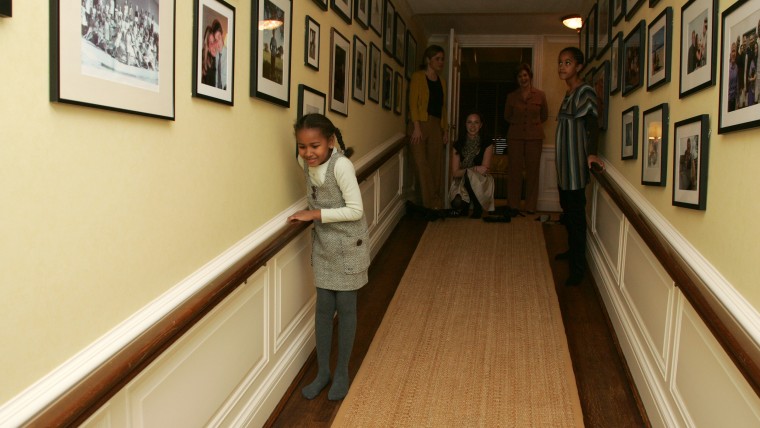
[340, 250]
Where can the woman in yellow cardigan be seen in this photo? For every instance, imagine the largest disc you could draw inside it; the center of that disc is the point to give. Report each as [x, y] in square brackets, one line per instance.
[428, 130]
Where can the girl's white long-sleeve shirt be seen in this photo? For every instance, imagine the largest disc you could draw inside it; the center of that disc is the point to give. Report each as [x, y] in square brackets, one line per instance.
[345, 174]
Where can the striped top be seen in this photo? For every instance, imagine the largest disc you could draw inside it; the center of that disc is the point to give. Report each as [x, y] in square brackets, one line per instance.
[573, 142]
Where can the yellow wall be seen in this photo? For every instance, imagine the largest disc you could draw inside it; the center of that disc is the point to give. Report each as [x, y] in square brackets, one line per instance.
[725, 234]
[102, 212]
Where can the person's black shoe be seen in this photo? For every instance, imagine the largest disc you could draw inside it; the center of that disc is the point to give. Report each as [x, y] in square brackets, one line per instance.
[574, 279]
[562, 256]
[477, 212]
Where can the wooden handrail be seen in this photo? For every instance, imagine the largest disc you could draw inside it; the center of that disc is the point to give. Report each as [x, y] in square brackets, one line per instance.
[727, 331]
[84, 399]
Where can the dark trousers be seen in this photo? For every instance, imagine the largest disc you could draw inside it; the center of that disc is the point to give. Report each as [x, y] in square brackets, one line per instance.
[573, 203]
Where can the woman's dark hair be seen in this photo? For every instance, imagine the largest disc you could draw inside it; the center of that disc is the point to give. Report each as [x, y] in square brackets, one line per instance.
[326, 128]
[430, 52]
[576, 53]
[485, 138]
[524, 66]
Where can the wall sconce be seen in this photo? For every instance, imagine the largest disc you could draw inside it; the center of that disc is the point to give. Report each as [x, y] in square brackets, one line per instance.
[5, 8]
[574, 22]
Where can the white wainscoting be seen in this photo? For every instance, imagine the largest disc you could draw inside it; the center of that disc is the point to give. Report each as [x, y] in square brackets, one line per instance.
[683, 376]
[233, 367]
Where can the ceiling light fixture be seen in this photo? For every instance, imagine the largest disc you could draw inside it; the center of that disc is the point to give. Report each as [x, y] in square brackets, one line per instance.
[574, 22]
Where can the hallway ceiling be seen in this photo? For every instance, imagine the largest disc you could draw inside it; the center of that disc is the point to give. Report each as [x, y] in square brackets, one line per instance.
[503, 17]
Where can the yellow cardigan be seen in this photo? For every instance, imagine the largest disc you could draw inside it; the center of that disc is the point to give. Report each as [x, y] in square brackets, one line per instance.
[419, 95]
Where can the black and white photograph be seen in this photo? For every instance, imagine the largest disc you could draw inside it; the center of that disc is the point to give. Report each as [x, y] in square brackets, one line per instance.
[389, 41]
[660, 44]
[698, 42]
[398, 92]
[399, 29]
[359, 91]
[344, 9]
[604, 28]
[411, 55]
[310, 101]
[629, 134]
[601, 83]
[373, 74]
[361, 13]
[739, 88]
[115, 57]
[633, 59]
[271, 50]
[311, 43]
[213, 51]
[690, 161]
[654, 146]
[340, 72]
[376, 16]
[387, 87]
[616, 62]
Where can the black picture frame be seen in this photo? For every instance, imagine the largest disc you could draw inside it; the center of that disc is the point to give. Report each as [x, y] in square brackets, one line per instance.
[698, 63]
[617, 11]
[344, 9]
[653, 3]
[373, 73]
[740, 110]
[376, 16]
[340, 72]
[583, 39]
[359, 86]
[591, 33]
[633, 59]
[398, 92]
[600, 81]
[321, 3]
[629, 133]
[603, 28]
[654, 146]
[389, 16]
[270, 72]
[310, 101]
[214, 51]
[361, 13]
[691, 148]
[411, 55]
[311, 43]
[631, 7]
[660, 49]
[399, 34]
[616, 62]
[387, 87]
[6, 8]
[110, 82]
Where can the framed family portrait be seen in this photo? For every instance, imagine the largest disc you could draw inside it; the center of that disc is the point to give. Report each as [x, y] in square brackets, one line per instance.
[344, 9]
[631, 6]
[373, 91]
[90, 69]
[411, 55]
[698, 35]
[601, 83]
[389, 41]
[376, 16]
[617, 11]
[271, 43]
[213, 50]
[591, 33]
[399, 29]
[340, 52]
[359, 90]
[739, 106]
[387, 87]
[398, 92]
[321, 3]
[633, 59]
[361, 13]
[604, 28]
[616, 62]
[654, 146]
[690, 161]
[660, 45]
[629, 134]
[310, 101]
[311, 43]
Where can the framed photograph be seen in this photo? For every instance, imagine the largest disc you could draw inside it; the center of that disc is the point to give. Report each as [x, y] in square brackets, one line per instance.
[654, 146]
[583, 40]
[629, 133]
[399, 29]
[591, 33]
[616, 62]
[310, 101]
[271, 44]
[690, 160]
[698, 35]
[213, 50]
[631, 6]
[311, 43]
[633, 59]
[87, 71]
[373, 92]
[6, 8]
[618, 11]
[361, 13]
[601, 83]
[359, 91]
[739, 107]
[389, 41]
[344, 9]
[387, 87]
[398, 92]
[604, 28]
[340, 51]
[321, 3]
[376, 16]
[660, 46]
[411, 55]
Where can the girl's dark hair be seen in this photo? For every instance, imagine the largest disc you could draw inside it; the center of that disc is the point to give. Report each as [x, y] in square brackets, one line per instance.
[326, 128]
[430, 52]
[576, 53]
[524, 66]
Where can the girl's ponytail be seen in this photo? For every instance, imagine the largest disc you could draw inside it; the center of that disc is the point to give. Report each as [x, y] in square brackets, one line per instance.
[347, 151]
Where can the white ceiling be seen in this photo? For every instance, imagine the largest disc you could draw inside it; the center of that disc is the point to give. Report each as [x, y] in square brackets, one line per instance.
[502, 17]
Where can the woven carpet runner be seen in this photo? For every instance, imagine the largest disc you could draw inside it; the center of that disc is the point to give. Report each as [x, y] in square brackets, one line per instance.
[473, 337]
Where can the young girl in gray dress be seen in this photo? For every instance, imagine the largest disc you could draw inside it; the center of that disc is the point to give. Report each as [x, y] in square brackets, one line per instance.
[340, 245]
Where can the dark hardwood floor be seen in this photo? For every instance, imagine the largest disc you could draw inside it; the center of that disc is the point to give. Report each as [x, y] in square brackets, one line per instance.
[606, 395]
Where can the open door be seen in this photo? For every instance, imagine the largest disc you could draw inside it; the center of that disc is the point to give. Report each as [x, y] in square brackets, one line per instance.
[453, 56]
